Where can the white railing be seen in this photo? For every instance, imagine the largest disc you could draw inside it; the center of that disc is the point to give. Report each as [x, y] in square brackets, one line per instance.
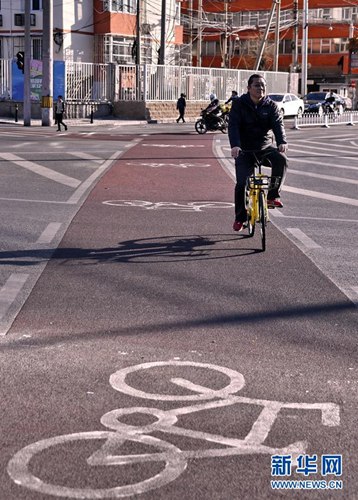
[86, 82]
[326, 120]
[5, 79]
[166, 83]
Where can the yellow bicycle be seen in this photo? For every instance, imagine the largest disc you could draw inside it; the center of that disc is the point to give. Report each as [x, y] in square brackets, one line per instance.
[257, 186]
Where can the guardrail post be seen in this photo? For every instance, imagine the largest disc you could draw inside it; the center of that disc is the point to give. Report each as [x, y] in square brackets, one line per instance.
[326, 120]
[295, 124]
[16, 112]
[351, 121]
[92, 113]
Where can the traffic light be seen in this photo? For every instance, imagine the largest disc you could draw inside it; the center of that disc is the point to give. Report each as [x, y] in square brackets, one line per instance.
[20, 60]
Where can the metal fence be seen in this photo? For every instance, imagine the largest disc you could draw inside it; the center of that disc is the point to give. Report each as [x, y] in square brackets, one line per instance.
[5, 79]
[166, 83]
[86, 82]
[326, 120]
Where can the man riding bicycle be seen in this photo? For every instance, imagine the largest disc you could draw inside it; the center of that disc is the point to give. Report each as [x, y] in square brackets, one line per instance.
[253, 120]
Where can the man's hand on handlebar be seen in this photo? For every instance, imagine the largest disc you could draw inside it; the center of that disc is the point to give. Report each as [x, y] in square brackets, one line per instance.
[235, 151]
[282, 148]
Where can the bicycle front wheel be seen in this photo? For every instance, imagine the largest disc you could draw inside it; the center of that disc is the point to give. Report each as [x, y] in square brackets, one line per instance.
[262, 215]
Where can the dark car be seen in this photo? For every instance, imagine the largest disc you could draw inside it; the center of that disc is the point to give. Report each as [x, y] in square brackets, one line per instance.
[315, 102]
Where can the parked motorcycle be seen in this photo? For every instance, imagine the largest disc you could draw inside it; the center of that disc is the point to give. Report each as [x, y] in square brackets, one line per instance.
[210, 122]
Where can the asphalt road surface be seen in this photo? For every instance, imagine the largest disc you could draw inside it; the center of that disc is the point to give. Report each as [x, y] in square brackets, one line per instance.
[147, 351]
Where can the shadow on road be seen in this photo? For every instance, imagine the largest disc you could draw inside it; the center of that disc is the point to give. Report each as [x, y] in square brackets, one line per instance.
[161, 249]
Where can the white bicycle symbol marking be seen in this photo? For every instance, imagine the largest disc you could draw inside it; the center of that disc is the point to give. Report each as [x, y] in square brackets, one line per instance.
[192, 206]
[177, 165]
[176, 460]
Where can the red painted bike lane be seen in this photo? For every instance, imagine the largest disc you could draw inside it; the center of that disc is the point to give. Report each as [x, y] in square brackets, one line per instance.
[149, 271]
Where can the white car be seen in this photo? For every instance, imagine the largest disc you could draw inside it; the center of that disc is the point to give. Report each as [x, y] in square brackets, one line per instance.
[288, 104]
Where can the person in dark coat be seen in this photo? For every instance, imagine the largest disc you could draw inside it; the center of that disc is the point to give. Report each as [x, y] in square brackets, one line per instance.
[253, 121]
[181, 105]
[59, 111]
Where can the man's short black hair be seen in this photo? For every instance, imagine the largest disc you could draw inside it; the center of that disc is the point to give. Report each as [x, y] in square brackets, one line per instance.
[253, 77]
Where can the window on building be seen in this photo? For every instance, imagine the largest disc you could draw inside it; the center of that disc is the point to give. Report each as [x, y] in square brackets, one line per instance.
[19, 19]
[321, 14]
[315, 46]
[285, 47]
[325, 45]
[209, 48]
[0, 19]
[129, 6]
[340, 45]
[37, 48]
[36, 4]
[350, 14]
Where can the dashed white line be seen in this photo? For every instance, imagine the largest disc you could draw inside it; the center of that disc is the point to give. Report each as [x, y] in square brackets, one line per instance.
[322, 196]
[303, 238]
[49, 233]
[86, 156]
[8, 294]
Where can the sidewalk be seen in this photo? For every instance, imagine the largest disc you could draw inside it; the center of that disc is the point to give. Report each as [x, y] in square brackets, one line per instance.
[76, 122]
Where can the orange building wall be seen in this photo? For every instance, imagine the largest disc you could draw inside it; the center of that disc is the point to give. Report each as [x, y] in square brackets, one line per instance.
[113, 22]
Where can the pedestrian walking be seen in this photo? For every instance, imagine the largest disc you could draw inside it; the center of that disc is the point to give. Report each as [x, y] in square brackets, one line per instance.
[181, 105]
[59, 112]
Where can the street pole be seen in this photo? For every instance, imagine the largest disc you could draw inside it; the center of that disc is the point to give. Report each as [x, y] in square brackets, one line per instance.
[198, 43]
[295, 36]
[27, 59]
[304, 49]
[224, 56]
[162, 34]
[47, 63]
[261, 50]
[138, 51]
[277, 35]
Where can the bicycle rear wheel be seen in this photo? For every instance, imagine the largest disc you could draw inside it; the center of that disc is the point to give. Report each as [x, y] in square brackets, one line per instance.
[262, 213]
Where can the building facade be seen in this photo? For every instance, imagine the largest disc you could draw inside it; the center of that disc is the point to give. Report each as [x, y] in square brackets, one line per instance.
[231, 34]
[96, 30]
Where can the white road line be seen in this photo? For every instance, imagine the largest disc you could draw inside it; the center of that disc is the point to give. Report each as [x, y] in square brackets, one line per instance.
[87, 183]
[322, 176]
[303, 238]
[86, 156]
[49, 233]
[321, 219]
[322, 196]
[308, 142]
[309, 161]
[34, 201]
[9, 292]
[40, 170]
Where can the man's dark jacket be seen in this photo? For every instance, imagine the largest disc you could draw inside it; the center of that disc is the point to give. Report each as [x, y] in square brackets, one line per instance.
[251, 125]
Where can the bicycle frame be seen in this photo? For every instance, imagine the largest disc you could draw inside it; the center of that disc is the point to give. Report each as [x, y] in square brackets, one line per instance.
[257, 186]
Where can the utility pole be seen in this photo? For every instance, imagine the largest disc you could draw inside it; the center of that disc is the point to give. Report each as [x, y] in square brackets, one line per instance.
[27, 59]
[264, 40]
[225, 57]
[277, 35]
[138, 51]
[191, 32]
[199, 40]
[47, 64]
[304, 49]
[295, 36]
[162, 33]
